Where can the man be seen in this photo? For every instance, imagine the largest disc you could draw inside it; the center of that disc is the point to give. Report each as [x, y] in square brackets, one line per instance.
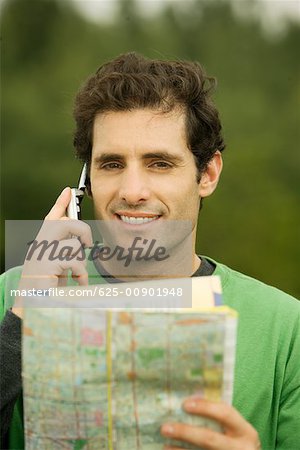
[152, 140]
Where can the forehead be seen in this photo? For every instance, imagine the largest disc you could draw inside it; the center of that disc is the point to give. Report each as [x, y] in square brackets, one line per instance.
[140, 130]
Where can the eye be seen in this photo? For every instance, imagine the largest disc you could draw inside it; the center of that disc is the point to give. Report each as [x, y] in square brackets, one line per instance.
[112, 166]
[161, 165]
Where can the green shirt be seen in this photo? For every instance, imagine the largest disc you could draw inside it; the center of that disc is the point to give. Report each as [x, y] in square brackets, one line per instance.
[267, 371]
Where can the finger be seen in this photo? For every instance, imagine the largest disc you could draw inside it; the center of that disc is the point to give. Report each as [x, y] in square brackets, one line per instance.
[62, 279]
[204, 437]
[167, 447]
[46, 251]
[69, 249]
[78, 269]
[59, 208]
[81, 278]
[80, 229]
[221, 412]
[53, 231]
[54, 259]
[80, 275]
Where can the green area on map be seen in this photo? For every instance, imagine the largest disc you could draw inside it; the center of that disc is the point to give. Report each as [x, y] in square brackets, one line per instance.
[100, 381]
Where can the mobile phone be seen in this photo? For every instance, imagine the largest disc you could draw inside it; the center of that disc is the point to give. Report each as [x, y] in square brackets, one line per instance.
[73, 210]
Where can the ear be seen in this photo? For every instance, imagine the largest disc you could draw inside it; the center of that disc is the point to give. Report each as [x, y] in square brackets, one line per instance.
[210, 177]
[89, 192]
[88, 186]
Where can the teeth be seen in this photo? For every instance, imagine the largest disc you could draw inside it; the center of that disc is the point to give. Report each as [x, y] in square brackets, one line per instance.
[137, 220]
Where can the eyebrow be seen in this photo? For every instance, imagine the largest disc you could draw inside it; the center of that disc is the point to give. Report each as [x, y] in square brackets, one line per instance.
[106, 157]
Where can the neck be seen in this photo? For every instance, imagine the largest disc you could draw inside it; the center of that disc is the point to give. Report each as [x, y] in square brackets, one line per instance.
[145, 266]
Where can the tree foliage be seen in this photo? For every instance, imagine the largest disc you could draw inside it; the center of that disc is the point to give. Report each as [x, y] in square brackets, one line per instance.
[48, 49]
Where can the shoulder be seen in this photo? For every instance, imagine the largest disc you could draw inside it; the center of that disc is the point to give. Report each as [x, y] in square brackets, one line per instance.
[258, 304]
[266, 386]
[9, 281]
[10, 277]
[239, 288]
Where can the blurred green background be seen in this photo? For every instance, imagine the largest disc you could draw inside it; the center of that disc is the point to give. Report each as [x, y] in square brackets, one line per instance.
[49, 47]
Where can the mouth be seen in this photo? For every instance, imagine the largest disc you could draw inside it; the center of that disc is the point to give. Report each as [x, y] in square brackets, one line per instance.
[137, 218]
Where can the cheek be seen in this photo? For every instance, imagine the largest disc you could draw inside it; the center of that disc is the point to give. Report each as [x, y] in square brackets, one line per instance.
[104, 195]
[192, 202]
[178, 191]
[189, 190]
[100, 190]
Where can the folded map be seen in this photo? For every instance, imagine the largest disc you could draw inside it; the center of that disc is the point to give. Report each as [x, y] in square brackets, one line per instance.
[107, 378]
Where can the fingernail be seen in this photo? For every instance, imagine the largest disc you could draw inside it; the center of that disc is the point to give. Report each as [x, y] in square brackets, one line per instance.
[167, 429]
[189, 405]
[64, 190]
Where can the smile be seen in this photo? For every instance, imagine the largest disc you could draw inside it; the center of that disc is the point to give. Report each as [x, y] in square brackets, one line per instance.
[137, 220]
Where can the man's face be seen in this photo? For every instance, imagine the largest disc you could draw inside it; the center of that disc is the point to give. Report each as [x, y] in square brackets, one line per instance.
[142, 169]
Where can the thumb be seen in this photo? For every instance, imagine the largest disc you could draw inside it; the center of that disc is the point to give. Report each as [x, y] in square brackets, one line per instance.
[60, 206]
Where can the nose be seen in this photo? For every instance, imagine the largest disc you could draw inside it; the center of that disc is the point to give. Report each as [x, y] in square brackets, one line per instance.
[134, 186]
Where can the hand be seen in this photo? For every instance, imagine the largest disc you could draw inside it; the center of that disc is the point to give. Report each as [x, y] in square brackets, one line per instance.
[57, 229]
[238, 433]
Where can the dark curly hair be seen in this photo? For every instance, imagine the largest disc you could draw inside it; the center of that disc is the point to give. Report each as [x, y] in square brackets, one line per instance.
[132, 81]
